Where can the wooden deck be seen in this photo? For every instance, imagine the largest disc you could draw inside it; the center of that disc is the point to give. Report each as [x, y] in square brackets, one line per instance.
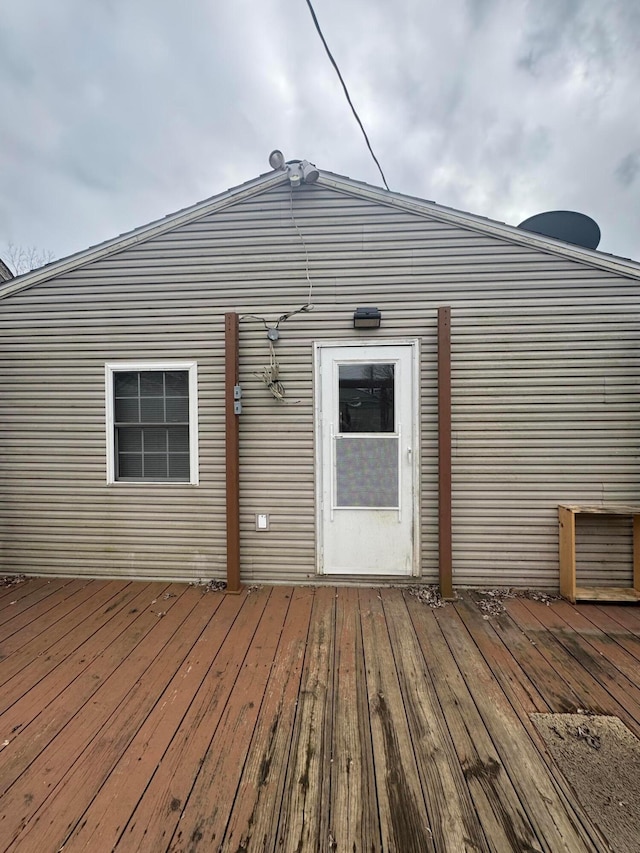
[153, 717]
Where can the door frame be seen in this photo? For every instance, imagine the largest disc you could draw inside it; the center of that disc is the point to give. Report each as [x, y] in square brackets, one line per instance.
[414, 344]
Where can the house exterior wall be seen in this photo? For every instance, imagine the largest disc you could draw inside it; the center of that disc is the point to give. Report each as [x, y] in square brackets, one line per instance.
[544, 371]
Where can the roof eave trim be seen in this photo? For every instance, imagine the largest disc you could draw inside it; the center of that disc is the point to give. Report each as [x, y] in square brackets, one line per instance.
[487, 226]
[144, 232]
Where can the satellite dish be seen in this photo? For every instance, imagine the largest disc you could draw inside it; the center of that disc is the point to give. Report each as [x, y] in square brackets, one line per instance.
[567, 225]
[276, 159]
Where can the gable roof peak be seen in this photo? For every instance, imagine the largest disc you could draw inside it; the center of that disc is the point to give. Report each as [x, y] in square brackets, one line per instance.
[298, 172]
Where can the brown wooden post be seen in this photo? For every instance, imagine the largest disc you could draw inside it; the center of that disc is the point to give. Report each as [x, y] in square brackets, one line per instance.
[444, 453]
[636, 554]
[232, 449]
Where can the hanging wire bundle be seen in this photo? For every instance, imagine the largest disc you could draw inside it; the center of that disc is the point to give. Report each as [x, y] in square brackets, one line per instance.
[270, 374]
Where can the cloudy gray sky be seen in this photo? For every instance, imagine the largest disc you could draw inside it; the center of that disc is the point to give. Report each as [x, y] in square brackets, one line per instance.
[116, 112]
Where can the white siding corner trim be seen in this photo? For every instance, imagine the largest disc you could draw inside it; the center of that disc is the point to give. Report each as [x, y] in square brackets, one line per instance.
[113, 367]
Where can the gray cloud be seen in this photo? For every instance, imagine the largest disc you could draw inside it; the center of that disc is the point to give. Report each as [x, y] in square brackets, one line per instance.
[115, 114]
[628, 168]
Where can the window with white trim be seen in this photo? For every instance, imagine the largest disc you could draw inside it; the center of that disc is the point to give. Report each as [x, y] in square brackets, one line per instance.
[152, 422]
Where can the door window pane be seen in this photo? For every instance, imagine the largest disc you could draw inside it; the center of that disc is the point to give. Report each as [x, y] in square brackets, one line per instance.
[366, 397]
[367, 472]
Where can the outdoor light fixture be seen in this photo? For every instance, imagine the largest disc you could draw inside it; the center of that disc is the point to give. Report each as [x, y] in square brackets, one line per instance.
[367, 317]
[309, 172]
[295, 176]
[298, 171]
[276, 159]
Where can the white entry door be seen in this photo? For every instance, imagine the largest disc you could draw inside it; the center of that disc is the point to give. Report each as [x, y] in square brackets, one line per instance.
[367, 457]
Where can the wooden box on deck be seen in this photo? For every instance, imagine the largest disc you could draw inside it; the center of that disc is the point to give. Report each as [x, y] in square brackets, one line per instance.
[567, 528]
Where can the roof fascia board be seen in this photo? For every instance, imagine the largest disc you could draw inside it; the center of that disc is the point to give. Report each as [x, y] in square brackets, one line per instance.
[5, 273]
[620, 266]
[330, 180]
[145, 232]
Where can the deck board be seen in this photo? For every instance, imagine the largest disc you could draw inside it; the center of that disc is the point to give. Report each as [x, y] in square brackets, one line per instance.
[353, 806]
[401, 803]
[156, 816]
[613, 665]
[38, 637]
[611, 630]
[592, 680]
[205, 818]
[104, 820]
[556, 826]
[20, 603]
[300, 816]
[496, 802]
[155, 717]
[253, 823]
[453, 820]
[122, 715]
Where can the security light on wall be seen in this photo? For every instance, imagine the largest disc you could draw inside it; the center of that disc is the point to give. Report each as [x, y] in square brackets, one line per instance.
[367, 317]
[309, 172]
[295, 174]
[298, 171]
[276, 159]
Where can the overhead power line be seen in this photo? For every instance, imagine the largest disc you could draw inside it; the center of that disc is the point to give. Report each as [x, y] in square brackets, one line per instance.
[346, 92]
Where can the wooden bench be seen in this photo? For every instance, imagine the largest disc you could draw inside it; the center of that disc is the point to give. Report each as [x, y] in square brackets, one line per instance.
[567, 524]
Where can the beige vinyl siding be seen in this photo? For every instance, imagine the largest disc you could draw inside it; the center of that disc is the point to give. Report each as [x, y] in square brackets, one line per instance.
[544, 414]
[545, 407]
[604, 550]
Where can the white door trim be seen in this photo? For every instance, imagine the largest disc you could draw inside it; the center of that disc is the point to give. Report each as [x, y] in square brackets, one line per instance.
[318, 346]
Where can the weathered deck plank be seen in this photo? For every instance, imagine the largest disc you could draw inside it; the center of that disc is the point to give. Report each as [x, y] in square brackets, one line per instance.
[579, 668]
[559, 695]
[503, 659]
[20, 605]
[37, 615]
[21, 589]
[28, 643]
[617, 668]
[627, 617]
[102, 823]
[611, 629]
[38, 714]
[353, 807]
[452, 816]
[183, 623]
[156, 816]
[300, 828]
[50, 674]
[254, 818]
[499, 810]
[520, 692]
[357, 720]
[206, 812]
[36, 783]
[404, 819]
[557, 826]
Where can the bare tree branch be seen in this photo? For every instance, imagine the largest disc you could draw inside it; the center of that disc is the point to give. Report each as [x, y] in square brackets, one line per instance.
[22, 259]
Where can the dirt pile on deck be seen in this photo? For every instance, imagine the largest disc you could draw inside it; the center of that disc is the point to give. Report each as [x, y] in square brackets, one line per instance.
[600, 758]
